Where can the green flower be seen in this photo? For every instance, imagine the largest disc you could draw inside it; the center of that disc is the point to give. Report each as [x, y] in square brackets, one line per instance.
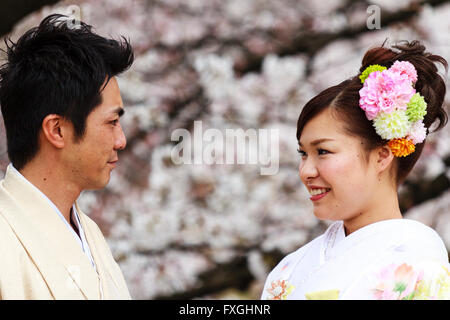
[369, 70]
[416, 108]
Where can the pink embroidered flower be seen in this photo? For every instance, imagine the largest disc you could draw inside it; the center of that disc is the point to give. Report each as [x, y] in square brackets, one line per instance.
[397, 282]
[405, 69]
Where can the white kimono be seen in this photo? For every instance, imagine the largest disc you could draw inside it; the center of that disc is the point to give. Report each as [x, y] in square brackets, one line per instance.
[39, 256]
[387, 260]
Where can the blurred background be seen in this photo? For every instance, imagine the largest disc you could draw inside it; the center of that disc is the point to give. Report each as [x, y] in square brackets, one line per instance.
[215, 231]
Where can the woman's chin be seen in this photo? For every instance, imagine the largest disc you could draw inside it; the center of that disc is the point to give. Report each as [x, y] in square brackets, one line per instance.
[322, 215]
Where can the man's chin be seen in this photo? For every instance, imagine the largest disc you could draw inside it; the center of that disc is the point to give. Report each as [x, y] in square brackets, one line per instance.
[100, 184]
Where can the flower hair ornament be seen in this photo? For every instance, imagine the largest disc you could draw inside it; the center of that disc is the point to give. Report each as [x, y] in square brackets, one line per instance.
[389, 98]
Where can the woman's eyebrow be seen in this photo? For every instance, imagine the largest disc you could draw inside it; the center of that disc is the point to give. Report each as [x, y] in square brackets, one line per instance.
[316, 142]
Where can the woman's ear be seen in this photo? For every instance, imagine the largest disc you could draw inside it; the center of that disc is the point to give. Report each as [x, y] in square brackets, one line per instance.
[384, 158]
[53, 130]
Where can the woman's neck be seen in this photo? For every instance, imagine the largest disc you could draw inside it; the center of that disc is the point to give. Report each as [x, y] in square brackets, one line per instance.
[384, 207]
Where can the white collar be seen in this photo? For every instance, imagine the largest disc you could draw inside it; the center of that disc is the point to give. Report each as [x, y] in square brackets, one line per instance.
[80, 239]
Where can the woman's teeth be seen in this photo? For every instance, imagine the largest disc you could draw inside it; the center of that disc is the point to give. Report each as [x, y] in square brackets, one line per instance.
[315, 192]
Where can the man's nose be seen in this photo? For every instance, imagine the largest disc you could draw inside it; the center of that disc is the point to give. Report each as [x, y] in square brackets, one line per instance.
[120, 140]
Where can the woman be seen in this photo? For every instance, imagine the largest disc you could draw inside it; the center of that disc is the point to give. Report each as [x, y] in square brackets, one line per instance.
[358, 141]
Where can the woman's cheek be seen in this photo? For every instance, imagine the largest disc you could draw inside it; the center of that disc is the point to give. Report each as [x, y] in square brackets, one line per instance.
[338, 170]
[344, 183]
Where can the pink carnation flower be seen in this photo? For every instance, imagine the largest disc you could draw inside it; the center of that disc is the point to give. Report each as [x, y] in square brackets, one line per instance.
[418, 132]
[385, 91]
[369, 95]
[405, 69]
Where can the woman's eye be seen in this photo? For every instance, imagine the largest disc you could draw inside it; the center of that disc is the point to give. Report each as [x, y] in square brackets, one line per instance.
[114, 122]
[319, 151]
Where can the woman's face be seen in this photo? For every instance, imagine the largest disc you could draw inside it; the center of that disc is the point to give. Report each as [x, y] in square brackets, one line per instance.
[337, 164]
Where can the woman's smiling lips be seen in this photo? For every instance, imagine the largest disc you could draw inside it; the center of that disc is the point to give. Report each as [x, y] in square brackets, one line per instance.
[314, 189]
[319, 196]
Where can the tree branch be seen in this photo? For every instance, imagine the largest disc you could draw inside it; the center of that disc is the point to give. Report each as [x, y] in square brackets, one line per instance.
[234, 274]
[311, 42]
[14, 10]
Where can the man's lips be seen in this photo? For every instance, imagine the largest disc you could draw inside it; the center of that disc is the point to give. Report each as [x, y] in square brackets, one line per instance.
[113, 163]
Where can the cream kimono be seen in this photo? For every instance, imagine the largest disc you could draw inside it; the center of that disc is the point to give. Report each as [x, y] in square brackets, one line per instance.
[388, 260]
[41, 259]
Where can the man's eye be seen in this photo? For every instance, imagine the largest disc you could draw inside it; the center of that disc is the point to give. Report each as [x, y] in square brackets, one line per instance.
[114, 122]
[322, 150]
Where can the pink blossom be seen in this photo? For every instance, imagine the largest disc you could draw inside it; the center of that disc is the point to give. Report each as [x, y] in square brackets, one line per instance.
[369, 95]
[405, 69]
[385, 91]
[418, 132]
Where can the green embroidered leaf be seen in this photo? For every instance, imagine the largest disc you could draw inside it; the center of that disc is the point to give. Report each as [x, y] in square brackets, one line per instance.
[410, 296]
[400, 287]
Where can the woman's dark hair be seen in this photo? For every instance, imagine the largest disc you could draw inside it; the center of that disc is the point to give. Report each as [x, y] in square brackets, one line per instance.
[55, 68]
[343, 100]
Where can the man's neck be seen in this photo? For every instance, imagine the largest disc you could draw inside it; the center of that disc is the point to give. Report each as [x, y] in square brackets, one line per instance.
[51, 182]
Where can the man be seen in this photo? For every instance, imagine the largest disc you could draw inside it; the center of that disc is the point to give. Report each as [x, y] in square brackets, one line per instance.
[61, 106]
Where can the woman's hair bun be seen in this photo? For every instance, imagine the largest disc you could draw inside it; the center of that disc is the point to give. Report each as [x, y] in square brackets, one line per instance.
[430, 83]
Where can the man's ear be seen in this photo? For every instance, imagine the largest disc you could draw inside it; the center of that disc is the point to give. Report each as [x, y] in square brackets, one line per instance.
[384, 158]
[54, 128]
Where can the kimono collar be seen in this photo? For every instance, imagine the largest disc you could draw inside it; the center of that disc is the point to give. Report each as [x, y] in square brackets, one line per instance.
[56, 252]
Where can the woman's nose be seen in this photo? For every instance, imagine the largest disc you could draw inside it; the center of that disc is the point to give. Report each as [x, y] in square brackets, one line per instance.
[307, 170]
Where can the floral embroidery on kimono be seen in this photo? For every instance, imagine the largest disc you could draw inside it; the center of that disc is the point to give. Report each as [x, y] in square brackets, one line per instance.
[279, 290]
[404, 282]
[323, 295]
[395, 259]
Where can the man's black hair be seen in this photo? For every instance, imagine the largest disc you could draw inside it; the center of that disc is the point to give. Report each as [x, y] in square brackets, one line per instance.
[55, 68]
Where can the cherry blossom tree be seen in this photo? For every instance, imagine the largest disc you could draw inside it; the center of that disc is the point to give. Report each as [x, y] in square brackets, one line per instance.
[215, 230]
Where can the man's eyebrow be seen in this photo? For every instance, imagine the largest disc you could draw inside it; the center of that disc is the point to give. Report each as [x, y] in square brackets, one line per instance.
[120, 111]
[316, 142]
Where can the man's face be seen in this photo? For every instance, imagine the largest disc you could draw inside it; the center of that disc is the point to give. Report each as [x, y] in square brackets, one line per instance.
[90, 160]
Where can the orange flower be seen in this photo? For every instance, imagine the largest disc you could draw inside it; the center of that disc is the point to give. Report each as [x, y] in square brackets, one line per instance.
[279, 290]
[404, 273]
[401, 147]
